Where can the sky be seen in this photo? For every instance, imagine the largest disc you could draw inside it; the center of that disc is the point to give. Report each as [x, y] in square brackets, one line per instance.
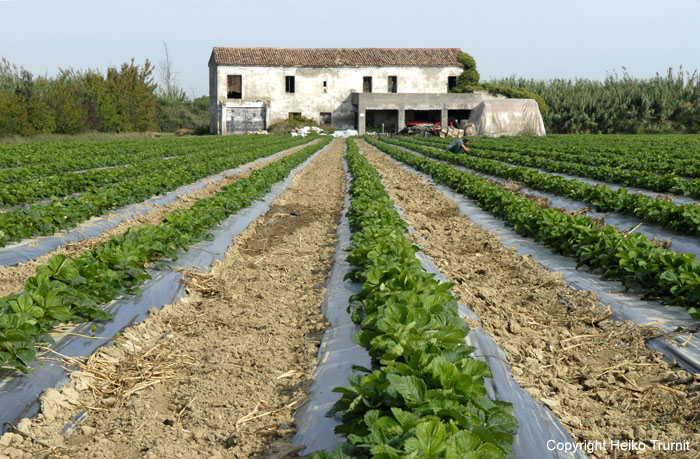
[540, 39]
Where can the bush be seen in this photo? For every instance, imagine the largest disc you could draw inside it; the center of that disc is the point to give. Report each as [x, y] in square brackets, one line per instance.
[290, 124]
[176, 113]
[516, 93]
[469, 77]
[76, 101]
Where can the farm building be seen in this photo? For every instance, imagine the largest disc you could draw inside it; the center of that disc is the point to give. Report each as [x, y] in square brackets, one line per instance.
[360, 88]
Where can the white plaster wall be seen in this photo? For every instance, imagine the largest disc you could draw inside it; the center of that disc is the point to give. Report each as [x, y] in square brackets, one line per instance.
[268, 84]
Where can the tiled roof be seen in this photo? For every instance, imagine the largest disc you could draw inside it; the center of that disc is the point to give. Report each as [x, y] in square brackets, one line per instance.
[337, 57]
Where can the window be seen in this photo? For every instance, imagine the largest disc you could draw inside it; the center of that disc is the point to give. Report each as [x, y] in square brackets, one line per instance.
[392, 84]
[325, 86]
[234, 86]
[294, 116]
[367, 84]
[289, 84]
[451, 83]
[325, 118]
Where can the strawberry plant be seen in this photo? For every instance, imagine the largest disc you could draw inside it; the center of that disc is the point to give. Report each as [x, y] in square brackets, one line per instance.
[147, 180]
[424, 395]
[659, 154]
[75, 290]
[682, 218]
[632, 259]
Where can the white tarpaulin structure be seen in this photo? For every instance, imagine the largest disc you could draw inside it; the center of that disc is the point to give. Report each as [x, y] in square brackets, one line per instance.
[498, 117]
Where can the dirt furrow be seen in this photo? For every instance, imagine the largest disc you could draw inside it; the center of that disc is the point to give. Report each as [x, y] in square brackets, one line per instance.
[219, 373]
[12, 278]
[597, 376]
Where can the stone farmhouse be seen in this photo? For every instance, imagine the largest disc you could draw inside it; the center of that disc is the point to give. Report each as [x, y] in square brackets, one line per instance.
[360, 88]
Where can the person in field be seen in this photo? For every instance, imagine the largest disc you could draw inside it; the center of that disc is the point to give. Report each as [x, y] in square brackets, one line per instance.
[459, 145]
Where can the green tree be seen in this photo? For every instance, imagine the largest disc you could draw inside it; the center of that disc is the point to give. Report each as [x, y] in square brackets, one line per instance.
[129, 90]
[69, 113]
[40, 114]
[77, 101]
[468, 80]
[14, 119]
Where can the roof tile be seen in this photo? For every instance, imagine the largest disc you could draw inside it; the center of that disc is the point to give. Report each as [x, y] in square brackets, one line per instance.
[337, 57]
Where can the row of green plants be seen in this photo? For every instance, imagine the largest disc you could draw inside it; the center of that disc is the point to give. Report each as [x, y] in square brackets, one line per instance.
[28, 161]
[611, 145]
[45, 219]
[630, 258]
[424, 395]
[49, 169]
[682, 218]
[685, 163]
[34, 163]
[83, 154]
[649, 180]
[75, 290]
[65, 184]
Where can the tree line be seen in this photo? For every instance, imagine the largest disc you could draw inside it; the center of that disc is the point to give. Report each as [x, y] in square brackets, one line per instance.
[127, 99]
[618, 104]
[123, 99]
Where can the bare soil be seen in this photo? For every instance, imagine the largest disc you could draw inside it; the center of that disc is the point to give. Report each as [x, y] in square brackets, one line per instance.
[12, 278]
[219, 373]
[597, 376]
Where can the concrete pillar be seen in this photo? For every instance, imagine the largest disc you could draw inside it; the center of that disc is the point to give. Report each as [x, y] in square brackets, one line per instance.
[401, 122]
[223, 119]
[213, 128]
[217, 117]
[361, 122]
[443, 118]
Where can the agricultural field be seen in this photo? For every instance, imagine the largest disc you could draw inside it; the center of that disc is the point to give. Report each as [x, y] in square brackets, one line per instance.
[276, 296]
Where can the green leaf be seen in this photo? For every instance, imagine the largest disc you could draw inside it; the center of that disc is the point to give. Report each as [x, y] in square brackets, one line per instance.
[61, 313]
[411, 388]
[26, 354]
[464, 441]
[55, 263]
[502, 421]
[429, 440]
[405, 418]
[25, 305]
